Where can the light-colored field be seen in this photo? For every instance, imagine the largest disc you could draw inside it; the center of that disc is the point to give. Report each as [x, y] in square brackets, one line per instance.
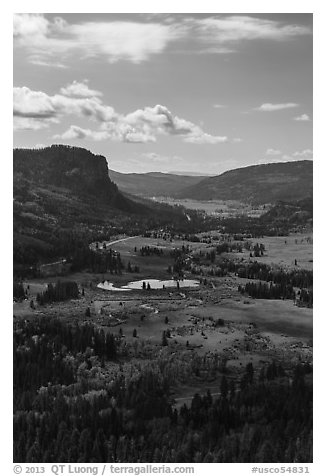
[275, 316]
[284, 250]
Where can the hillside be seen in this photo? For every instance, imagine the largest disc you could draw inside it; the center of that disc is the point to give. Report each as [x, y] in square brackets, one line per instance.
[63, 197]
[69, 170]
[290, 213]
[257, 184]
[153, 183]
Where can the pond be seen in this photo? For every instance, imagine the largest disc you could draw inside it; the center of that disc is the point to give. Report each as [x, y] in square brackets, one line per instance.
[110, 287]
[153, 283]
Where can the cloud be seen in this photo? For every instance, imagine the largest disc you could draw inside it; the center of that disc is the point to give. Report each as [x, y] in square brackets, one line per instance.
[153, 157]
[76, 132]
[236, 28]
[33, 104]
[273, 152]
[306, 153]
[36, 109]
[79, 90]
[30, 26]
[219, 106]
[159, 118]
[303, 117]
[31, 124]
[268, 107]
[218, 50]
[38, 61]
[149, 161]
[37, 105]
[203, 138]
[48, 41]
[117, 134]
[113, 40]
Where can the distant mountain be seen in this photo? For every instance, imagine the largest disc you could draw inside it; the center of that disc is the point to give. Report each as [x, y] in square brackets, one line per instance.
[257, 184]
[153, 183]
[187, 173]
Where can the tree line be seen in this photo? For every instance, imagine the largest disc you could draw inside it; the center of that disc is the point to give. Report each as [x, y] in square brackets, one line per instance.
[60, 291]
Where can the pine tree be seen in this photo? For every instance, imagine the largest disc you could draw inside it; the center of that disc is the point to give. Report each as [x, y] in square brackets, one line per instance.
[224, 387]
[164, 339]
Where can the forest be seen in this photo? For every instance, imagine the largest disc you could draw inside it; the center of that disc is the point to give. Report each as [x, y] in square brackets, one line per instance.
[66, 409]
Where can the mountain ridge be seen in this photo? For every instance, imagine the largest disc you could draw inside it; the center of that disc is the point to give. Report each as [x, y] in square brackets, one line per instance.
[257, 184]
[153, 183]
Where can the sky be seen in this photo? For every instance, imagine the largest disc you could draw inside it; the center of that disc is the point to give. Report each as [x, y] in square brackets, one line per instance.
[196, 93]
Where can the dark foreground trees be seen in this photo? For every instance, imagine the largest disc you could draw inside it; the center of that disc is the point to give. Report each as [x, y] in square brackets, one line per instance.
[64, 411]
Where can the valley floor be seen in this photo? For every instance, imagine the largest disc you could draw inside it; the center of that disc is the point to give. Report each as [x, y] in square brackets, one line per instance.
[214, 322]
[254, 330]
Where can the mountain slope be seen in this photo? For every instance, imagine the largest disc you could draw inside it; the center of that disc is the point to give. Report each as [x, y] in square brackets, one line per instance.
[153, 183]
[71, 170]
[257, 184]
[63, 197]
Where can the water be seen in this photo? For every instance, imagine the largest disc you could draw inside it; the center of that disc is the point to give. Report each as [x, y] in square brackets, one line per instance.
[158, 284]
[154, 284]
[109, 287]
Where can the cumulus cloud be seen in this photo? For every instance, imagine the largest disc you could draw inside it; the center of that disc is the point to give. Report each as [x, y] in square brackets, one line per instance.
[79, 90]
[137, 41]
[76, 132]
[30, 26]
[39, 110]
[273, 152]
[268, 107]
[160, 118]
[39, 105]
[33, 104]
[303, 117]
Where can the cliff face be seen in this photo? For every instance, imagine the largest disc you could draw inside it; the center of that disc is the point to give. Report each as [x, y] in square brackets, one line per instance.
[72, 168]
